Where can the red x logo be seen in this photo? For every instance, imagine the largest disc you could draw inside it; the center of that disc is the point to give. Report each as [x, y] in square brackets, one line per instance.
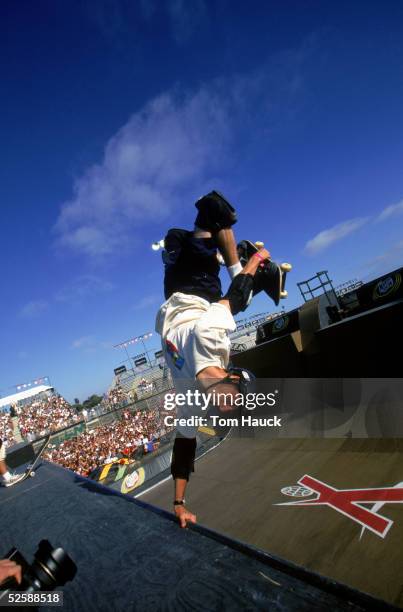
[348, 502]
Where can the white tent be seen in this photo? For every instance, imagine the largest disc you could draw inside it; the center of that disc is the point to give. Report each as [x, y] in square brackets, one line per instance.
[16, 397]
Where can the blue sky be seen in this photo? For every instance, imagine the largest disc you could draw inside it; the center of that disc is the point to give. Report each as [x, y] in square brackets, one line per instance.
[116, 115]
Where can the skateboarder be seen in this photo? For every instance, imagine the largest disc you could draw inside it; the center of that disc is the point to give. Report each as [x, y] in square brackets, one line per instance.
[195, 320]
[6, 478]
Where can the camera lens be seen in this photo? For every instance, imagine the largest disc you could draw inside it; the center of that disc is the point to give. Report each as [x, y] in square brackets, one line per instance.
[52, 566]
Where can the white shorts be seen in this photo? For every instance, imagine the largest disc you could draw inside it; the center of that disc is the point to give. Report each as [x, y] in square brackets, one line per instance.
[194, 335]
[3, 452]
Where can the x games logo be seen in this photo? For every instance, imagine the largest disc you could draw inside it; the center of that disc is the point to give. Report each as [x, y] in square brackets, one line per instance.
[348, 502]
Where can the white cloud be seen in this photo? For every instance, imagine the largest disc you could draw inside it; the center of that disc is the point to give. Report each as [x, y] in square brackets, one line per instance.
[163, 150]
[33, 309]
[172, 150]
[391, 211]
[83, 342]
[146, 301]
[90, 344]
[85, 286]
[327, 237]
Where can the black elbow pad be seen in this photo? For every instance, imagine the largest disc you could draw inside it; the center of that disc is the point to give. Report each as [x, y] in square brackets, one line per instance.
[240, 292]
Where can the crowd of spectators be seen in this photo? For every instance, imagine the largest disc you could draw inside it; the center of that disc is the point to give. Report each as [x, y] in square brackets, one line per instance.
[134, 432]
[44, 415]
[115, 396]
[6, 429]
[145, 386]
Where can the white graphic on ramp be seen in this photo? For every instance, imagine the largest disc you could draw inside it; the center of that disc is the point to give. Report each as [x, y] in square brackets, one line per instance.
[297, 491]
[379, 505]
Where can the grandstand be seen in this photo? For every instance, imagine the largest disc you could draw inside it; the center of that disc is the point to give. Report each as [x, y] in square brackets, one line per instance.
[148, 376]
[7, 433]
[34, 410]
[127, 422]
[25, 392]
[24, 395]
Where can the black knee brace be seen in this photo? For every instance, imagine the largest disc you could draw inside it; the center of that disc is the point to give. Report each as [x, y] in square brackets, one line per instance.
[183, 456]
[240, 292]
[215, 212]
[244, 383]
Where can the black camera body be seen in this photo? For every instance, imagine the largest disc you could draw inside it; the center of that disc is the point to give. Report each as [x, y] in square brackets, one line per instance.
[51, 568]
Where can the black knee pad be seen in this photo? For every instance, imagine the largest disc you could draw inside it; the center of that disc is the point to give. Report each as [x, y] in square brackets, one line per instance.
[244, 384]
[215, 212]
[240, 292]
[183, 456]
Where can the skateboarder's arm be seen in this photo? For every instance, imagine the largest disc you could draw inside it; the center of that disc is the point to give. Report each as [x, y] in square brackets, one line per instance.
[251, 268]
[180, 488]
[254, 262]
[227, 246]
[183, 514]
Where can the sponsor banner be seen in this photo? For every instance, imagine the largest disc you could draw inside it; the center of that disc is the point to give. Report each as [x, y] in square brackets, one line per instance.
[128, 478]
[139, 362]
[387, 286]
[382, 290]
[110, 472]
[120, 370]
[282, 325]
[133, 480]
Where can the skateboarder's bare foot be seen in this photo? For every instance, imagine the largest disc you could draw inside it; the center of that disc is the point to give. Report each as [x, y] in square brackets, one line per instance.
[184, 516]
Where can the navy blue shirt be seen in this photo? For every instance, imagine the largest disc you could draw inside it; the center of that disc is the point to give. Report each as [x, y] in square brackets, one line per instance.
[191, 265]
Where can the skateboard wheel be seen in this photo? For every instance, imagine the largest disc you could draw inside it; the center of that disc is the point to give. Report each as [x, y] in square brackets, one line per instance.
[283, 294]
[259, 244]
[286, 267]
[32, 474]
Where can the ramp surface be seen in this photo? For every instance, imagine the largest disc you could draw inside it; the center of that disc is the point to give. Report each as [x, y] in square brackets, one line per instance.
[132, 558]
[236, 490]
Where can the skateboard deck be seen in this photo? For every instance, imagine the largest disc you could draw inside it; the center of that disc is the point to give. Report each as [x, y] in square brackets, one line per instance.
[273, 281]
[30, 469]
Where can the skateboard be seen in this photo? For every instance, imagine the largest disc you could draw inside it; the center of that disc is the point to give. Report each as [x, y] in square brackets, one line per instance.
[271, 277]
[29, 472]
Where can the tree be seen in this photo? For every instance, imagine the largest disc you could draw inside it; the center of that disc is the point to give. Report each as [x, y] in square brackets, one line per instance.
[92, 401]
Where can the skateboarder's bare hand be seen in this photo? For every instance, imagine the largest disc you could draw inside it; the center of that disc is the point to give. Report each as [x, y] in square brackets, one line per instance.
[184, 516]
[9, 568]
[264, 253]
[255, 261]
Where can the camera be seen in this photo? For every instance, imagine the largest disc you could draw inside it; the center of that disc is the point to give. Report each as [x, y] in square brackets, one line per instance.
[51, 568]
